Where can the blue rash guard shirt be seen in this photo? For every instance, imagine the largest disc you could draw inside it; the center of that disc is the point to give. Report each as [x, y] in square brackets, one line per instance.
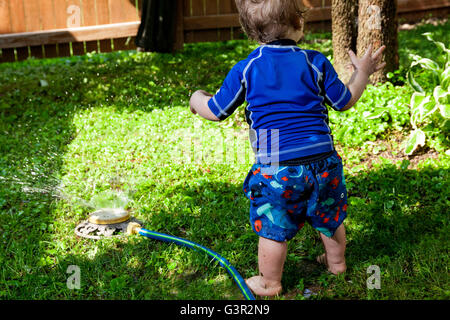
[286, 89]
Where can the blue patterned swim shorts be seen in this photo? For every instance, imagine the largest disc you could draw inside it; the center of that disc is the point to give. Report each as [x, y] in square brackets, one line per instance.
[283, 197]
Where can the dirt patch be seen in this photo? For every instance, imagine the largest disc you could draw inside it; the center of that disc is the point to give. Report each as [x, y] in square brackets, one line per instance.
[392, 150]
[434, 21]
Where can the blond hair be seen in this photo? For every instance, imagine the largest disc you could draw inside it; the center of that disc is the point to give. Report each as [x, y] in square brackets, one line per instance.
[268, 20]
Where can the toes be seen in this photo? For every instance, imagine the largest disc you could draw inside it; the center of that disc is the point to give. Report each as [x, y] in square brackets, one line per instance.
[322, 259]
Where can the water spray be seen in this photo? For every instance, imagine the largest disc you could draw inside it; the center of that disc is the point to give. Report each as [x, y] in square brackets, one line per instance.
[116, 221]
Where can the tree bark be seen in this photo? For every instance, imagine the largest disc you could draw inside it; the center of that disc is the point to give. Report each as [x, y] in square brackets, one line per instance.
[378, 25]
[344, 14]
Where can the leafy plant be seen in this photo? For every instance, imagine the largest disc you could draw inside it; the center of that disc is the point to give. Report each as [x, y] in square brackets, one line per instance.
[428, 107]
[430, 69]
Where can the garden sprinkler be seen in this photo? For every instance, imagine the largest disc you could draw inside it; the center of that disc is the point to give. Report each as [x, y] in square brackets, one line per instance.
[111, 222]
[106, 222]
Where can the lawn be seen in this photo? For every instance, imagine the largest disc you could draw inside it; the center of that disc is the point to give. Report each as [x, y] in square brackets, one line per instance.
[78, 132]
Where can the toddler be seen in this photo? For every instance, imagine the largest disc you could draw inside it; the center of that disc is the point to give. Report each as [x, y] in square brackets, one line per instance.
[297, 176]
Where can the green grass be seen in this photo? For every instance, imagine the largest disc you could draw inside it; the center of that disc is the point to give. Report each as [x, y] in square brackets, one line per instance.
[115, 122]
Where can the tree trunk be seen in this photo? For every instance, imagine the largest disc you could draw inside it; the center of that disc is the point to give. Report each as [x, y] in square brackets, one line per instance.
[378, 24]
[344, 15]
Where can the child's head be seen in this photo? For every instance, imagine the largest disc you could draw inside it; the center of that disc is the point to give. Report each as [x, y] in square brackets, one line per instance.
[268, 20]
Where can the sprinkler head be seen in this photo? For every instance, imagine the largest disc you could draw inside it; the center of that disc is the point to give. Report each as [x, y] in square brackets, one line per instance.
[107, 222]
[109, 216]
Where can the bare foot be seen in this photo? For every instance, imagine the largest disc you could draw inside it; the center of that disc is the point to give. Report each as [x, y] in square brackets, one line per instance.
[261, 288]
[335, 268]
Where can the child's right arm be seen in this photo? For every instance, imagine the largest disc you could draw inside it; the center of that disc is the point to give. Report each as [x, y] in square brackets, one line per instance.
[364, 68]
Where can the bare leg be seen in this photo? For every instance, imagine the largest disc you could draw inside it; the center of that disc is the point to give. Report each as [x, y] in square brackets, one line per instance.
[334, 256]
[271, 257]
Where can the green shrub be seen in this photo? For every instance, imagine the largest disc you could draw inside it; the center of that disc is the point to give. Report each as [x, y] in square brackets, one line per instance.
[430, 104]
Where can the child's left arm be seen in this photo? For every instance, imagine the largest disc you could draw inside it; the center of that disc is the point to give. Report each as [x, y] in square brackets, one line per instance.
[199, 105]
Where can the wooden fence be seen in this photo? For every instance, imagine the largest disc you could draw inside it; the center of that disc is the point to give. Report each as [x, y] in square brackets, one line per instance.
[51, 28]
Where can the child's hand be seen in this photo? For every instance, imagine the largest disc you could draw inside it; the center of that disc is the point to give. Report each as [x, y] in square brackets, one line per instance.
[365, 66]
[369, 63]
[199, 105]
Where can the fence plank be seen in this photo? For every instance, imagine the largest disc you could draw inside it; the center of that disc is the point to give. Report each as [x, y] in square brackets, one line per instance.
[17, 16]
[108, 31]
[421, 5]
[211, 22]
[115, 11]
[127, 43]
[102, 11]
[51, 50]
[312, 3]
[105, 45]
[226, 20]
[78, 48]
[75, 19]
[6, 26]
[317, 3]
[36, 52]
[179, 29]
[187, 8]
[32, 15]
[187, 12]
[197, 8]
[22, 53]
[88, 9]
[210, 8]
[46, 15]
[91, 46]
[63, 49]
[118, 13]
[33, 23]
[8, 55]
[103, 18]
[61, 16]
[200, 9]
[225, 8]
[129, 12]
[233, 6]
[318, 14]
[47, 22]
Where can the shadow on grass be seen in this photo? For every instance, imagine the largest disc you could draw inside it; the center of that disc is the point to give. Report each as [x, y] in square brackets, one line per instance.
[395, 216]
[36, 129]
[396, 219]
[392, 211]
